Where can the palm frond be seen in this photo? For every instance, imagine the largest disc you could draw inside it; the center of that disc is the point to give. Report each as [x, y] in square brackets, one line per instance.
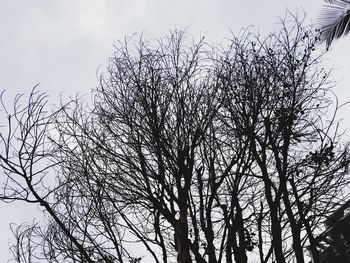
[334, 20]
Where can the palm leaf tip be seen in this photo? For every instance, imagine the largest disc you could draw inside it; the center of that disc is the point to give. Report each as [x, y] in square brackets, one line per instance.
[334, 20]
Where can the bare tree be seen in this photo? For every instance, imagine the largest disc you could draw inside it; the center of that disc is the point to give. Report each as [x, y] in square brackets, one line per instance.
[277, 100]
[184, 153]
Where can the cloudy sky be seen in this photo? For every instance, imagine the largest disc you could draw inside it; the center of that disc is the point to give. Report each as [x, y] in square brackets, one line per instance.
[63, 44]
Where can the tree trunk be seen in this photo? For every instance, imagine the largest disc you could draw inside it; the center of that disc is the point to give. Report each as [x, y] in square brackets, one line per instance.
[277, 236]
[240, 250]
[181, 233]
[182, 243]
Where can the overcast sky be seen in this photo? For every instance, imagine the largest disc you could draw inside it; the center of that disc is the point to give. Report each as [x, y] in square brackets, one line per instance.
[61, 44]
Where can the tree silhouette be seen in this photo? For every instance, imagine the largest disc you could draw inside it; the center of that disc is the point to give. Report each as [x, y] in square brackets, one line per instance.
[184, 153]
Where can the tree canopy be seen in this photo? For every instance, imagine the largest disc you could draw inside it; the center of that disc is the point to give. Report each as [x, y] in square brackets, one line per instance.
[185, 153]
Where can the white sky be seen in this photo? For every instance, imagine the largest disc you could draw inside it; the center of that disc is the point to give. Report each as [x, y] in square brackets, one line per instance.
[62, 43]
